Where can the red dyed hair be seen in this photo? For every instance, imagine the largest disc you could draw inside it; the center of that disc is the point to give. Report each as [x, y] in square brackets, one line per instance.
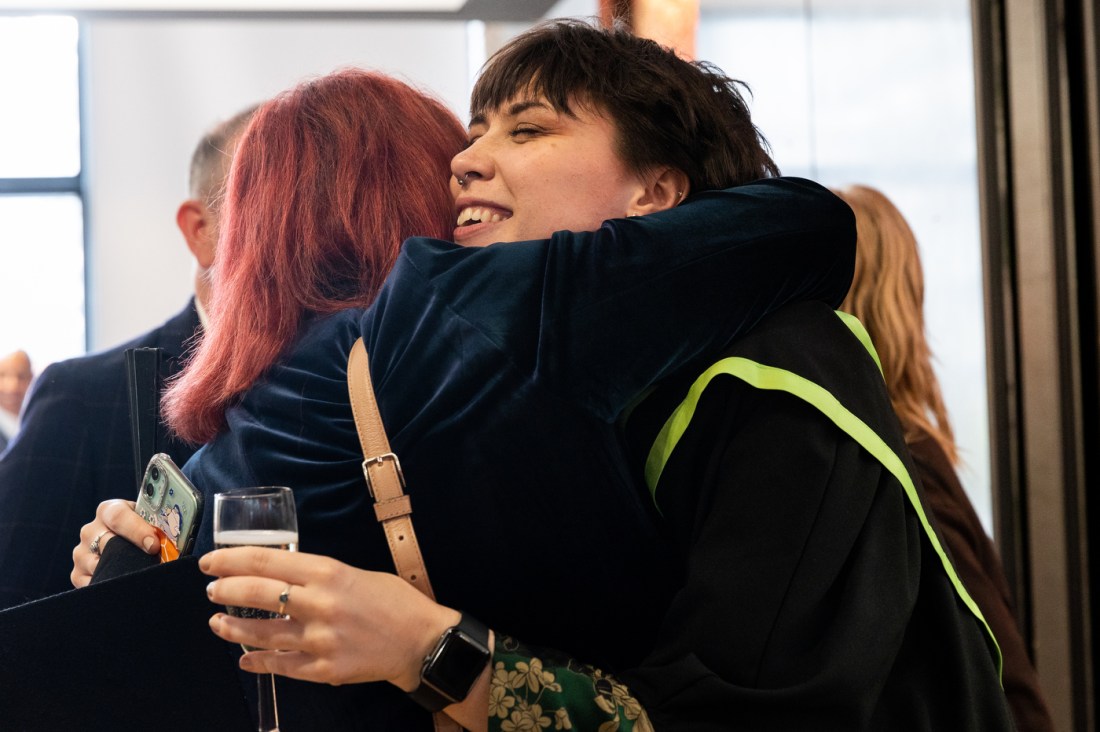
[328, 180]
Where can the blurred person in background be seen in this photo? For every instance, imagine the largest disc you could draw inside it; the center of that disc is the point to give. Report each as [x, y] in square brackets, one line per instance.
[887, 295]
[75, 448]
[15, 379]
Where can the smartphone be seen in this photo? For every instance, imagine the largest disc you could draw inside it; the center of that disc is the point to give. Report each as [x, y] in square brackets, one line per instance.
[168, 501]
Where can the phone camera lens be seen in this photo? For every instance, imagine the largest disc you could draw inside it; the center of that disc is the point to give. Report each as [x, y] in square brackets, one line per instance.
[154, 472]
[149, 489]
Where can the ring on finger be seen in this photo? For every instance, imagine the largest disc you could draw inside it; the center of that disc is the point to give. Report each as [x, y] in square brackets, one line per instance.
[94, 546]
[284, 598]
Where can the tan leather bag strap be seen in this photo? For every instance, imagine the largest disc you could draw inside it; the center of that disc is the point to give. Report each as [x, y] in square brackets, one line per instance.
[382, 472]
[386, 485]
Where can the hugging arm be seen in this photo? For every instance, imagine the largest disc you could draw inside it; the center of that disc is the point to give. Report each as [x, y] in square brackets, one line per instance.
[676, 285]
[618, 309]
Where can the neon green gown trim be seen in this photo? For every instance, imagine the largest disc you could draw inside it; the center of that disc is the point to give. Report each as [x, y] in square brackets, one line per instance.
[762, 376]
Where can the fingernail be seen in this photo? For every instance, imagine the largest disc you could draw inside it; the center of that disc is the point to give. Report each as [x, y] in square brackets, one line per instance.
[210, 590]
[247, 663]
[148, 543]
[216, 622]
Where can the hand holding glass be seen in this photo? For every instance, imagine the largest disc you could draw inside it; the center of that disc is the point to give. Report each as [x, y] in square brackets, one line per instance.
[257, 517]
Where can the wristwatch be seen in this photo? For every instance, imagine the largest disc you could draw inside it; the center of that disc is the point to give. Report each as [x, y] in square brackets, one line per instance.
[453, 666]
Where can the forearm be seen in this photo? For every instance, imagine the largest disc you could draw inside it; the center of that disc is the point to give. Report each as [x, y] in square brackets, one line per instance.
[527, 688]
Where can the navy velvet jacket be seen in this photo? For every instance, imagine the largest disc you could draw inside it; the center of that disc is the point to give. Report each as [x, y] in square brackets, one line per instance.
[74, 450]
[500, 372]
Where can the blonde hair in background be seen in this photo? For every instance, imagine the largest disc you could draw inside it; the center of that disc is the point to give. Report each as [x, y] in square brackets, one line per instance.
[887, 295]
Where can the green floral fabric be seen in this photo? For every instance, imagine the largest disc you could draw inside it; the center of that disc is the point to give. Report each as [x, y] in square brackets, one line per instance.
[532, 690]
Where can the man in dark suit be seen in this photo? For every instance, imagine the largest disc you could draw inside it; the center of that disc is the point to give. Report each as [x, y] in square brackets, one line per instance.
[74, 447]
[15, 379]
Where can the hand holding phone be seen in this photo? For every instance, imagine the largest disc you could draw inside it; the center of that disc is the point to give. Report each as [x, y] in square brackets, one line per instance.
[169, 502]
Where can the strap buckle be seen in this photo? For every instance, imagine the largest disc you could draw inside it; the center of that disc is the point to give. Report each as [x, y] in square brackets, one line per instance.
[378, 460]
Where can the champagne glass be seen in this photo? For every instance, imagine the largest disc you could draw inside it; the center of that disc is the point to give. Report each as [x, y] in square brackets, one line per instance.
[262, 516]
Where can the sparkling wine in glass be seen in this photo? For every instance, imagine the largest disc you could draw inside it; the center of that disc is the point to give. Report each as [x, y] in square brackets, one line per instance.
[257, 517]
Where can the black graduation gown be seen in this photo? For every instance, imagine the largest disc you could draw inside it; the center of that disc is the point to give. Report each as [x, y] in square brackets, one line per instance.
[811, 597]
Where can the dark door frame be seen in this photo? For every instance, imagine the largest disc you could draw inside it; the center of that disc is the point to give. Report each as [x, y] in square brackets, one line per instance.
[1036, 67]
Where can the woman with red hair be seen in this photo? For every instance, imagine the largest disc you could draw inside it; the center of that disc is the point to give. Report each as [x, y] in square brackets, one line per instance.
[330, 178]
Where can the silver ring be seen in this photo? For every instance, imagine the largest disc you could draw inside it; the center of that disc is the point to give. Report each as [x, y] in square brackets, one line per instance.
[284, 598]
[461, 181]
[94, 546]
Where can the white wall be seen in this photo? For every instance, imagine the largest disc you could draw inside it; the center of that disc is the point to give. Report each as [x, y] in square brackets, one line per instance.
[152, 87]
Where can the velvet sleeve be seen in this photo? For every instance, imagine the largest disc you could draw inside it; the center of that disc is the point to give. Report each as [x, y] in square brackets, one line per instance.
[532, 689]
[599, 316]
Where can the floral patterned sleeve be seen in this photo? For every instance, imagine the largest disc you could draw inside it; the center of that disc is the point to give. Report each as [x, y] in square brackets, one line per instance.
[535, 689]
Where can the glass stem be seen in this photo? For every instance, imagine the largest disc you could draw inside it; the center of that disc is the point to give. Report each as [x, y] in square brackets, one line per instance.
[269, 711]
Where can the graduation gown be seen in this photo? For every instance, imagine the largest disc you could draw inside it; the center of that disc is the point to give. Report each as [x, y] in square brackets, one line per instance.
[811, 597]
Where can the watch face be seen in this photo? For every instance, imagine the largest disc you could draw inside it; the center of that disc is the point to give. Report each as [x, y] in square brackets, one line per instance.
[458, 661]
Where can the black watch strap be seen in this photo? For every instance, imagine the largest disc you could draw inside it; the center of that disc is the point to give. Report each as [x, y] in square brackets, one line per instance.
[452, 667]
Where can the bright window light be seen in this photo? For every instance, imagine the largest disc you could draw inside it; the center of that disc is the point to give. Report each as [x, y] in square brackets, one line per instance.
[39, 86]
[41, 210]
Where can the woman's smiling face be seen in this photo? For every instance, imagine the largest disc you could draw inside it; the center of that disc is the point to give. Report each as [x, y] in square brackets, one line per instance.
[531, 170]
